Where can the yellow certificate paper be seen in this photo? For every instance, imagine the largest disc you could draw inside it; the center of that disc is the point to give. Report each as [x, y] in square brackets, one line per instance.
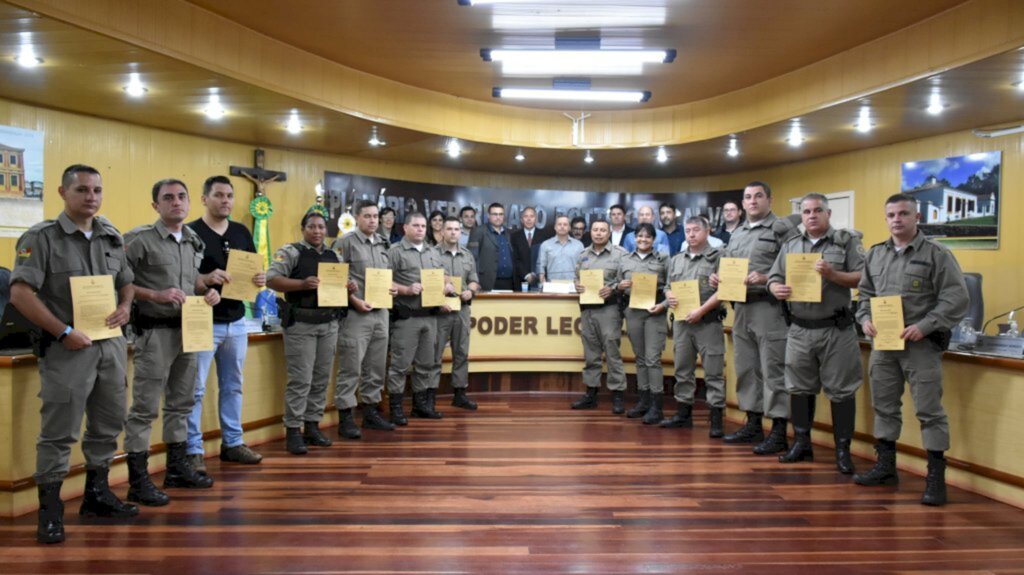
[643, 292]
[732, 273]
[332, 291]
[887, 317]
[378, 288]
[688, 294]
[93, 300]
[196, 325]
[242, 265]
[432, 280]
[592, 281]
[802, 278]
[455, 303]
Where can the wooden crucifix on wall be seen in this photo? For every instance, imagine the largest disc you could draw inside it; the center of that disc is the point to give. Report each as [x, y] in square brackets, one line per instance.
[259, 176]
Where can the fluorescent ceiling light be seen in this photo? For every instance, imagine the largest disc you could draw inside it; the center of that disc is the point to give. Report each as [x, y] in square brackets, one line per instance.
[135, 87]
[535, 15]
[634, 96]
[585, 62]
[999, 132]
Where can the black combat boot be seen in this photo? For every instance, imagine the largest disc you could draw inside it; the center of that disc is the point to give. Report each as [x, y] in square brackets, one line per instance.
[432, 401]
[716, 422]
[618, 402]
[844, 416]
[51, 513]
[654, 414]
[141, 489]
[802, 412]
[776, 441]
[395, 406]
[180, 472]
[884, 471]
[643, 403]
[421, 406]
[100, 501]
[347, 428]
[682, 418]
[935, 482]
[372, 419]
[461, 400]
[588, 401]
[751, 432]
[311, 434]
[294, 442]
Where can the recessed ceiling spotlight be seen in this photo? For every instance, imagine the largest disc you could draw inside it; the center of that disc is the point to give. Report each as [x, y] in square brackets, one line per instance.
[135, 87]
[293, 126]
[213, 109]
[935, 105]
[27, 58]
[588, 158]
[864, 124]
[662, 155]
[796, 135]
[519, 156]
[453, 149]
[1019, 84]
[375, 140]
[733, 150]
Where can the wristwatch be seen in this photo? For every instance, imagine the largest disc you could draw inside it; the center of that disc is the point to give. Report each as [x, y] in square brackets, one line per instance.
[63, 334]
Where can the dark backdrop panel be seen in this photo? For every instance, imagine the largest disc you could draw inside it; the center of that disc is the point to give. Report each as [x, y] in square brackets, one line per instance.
[407, 197]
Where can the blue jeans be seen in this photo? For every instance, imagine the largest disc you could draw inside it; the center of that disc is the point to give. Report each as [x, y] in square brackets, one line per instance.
[230, 342]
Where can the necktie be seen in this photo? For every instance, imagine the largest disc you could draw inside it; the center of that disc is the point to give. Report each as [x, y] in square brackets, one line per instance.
[529, 238]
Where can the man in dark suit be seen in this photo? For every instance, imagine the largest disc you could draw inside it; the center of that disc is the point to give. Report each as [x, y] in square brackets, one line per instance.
[492, 248]
[617, 215]
[526, 246]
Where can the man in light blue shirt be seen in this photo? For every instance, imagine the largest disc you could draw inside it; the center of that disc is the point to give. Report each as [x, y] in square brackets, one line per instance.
[557, 259]
[645, 215]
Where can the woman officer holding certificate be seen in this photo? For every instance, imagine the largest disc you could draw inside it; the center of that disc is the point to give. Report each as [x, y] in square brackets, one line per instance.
[645, 325]
[310, 333]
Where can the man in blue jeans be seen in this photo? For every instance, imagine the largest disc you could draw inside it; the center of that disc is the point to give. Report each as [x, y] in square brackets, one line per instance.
[229, 334]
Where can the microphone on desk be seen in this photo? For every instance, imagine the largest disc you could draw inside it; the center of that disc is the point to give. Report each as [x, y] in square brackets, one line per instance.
[1010, 313]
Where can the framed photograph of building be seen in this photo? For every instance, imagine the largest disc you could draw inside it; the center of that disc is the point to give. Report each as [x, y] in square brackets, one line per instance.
[958, 199]
[21, 180]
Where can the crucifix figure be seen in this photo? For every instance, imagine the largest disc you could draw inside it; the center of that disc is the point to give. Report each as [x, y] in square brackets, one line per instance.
[259, 176]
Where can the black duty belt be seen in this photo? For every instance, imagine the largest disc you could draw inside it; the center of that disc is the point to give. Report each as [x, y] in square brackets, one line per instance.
[841, 320]
[759, 296]
[143, 323]
[614, 301]
[316, 315]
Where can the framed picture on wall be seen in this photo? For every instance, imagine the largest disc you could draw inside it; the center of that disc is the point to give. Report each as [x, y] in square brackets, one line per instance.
[958, 198]
[21, 180]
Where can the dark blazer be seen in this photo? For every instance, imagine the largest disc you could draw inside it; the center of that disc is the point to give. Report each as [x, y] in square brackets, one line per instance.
[484, 248]
[625, 232]
[524, 255]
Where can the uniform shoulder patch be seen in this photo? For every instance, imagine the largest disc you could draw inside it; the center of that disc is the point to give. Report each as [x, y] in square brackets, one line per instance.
[24, 253]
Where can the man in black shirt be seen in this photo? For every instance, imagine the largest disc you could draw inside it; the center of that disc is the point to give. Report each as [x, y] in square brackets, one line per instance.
[229, 334]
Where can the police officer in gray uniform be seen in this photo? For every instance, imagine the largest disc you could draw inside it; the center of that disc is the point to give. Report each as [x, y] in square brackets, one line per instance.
[601, 324]
[928, 278]
[454, 326]
[414, 327]
[759, 329]
[363, 335]
[78, 376]
[646, 328]
[310, 335]
[697, 331]
[165, 259]
[822, 349]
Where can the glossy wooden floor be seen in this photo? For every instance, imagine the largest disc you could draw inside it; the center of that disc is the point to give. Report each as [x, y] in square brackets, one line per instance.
[525, 485]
